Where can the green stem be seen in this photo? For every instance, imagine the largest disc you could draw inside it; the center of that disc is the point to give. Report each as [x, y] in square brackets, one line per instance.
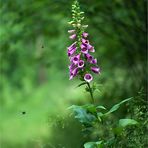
[91, 93]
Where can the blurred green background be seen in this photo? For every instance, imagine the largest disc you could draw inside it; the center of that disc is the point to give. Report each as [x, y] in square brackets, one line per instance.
[34, 82]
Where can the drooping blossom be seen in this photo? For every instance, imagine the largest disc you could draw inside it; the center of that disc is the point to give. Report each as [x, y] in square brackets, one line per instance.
[84, 50]
[89, 57]
[75, 59]
[71, 49]
[95, 69]
[88, 77]
[84, 41]
[94, 61]
[85, 35]
[81, 64]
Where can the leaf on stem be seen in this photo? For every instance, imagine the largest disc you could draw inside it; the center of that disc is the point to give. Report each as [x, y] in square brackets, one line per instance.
[101, 107]
[82, 115]
[116, 106]
[83, 83]
[98, 144]
[127, 122]
[90, 108]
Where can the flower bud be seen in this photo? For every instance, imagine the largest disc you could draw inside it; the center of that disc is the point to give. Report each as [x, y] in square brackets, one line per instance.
[85, 26]
[78, 25]
[70, 22]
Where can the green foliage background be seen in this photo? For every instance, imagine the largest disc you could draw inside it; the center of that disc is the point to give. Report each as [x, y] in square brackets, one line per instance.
[34, 69]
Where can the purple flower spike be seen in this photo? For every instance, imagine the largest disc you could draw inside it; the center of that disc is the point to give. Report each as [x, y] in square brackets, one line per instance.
[71, 51]
[94, 61]
[95, 69]
[75, 59]
[85, 35]
[71, 31]
[81, 64]
[88, 77]
[72, 37]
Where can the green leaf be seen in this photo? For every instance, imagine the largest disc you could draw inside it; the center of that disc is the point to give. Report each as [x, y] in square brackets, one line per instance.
[90, 145]
[116, 106]
[90, 108]
[95, 87]
[97, 90]
[100, 107]
[83, 83]
[98, 144]
[82, 115]
[127, 122]
[99, 114]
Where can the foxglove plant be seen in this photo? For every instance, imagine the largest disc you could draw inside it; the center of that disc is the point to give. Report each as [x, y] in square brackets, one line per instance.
[82, 63]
